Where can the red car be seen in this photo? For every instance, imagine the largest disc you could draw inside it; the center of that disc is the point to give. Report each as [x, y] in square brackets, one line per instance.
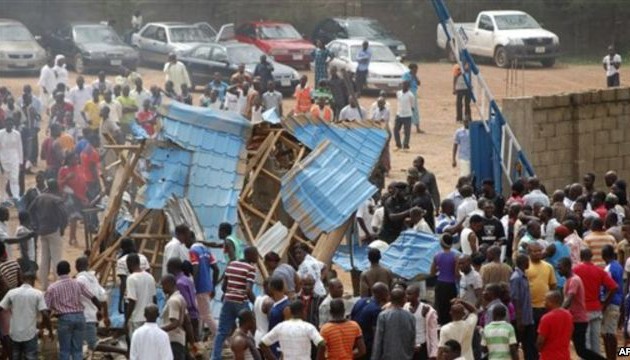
[279, 40]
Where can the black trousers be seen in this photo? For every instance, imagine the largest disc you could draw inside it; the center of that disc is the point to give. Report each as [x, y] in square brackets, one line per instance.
[444, 293]
[527, 338]
[612, 80]
[422, 353]
[579, 341]
[463, 96]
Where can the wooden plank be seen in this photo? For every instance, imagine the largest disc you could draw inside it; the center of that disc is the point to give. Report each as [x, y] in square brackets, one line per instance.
[150, 236]
[122, 147]
[114, 164]
[255, 160]
[114, 247]
[324, 250]
[258, 213]
[252, 179]
[248, 231]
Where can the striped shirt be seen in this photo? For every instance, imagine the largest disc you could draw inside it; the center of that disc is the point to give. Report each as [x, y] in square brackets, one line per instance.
[498, 336]
[64, 296]
[9, 271]
[595, 241]
[340, 338]
[237, 275]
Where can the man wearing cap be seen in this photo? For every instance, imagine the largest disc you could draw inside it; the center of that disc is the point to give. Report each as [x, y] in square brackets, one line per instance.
[176, 72]
[558, 250]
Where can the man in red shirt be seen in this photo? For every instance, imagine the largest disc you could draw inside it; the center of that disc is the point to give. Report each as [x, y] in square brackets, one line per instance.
[91, 162]
[593, 277]
[554, 330]
[574, 302]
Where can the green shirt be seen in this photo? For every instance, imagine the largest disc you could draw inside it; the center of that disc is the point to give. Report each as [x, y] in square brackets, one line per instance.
[128, 101]
[239, 247]
[498, 336]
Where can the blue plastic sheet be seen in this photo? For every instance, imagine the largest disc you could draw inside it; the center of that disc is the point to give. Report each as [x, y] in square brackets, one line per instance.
[409, 256]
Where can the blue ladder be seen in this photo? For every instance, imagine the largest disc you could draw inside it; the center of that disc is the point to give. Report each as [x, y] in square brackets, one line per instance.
[508, 155]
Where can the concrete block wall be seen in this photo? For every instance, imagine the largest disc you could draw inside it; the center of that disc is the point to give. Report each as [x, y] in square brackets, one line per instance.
[568, 135]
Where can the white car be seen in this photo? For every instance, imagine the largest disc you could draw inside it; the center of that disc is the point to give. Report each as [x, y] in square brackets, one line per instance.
[385, 71]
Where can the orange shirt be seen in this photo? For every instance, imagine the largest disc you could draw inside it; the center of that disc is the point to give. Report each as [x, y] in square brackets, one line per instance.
[302, 99]
[325, 114]
[340, 338]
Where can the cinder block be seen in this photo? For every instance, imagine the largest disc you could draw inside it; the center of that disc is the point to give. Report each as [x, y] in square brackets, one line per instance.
[615, 109]
[546, 158]
[563, 100]
[540, 117]
[596, 96]
[602, 137]
[585, 126]
[624, 148]
[569, 113]
[555, 115]
[544, 102]
[616, 136]
[546, 130]
[626, 162]
[554, 170]
[623, 94]
[559, 142]
[564, 127]
[607, 151]
[565, 155]
[615, 162]
[586, 111]
[601, 110]
[608, 95]
[539, 145]
[626, 109]
[609, 123]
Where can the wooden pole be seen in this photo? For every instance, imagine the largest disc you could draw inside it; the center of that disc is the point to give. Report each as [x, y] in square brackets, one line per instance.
[326, 246]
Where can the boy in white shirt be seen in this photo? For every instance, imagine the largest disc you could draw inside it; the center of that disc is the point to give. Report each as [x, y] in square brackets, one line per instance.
[406, 106]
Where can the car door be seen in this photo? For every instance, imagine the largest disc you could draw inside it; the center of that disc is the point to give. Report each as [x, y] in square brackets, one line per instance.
[219, 62]
[246, 33]
[481, 43]
[199, 66]
[145, 43]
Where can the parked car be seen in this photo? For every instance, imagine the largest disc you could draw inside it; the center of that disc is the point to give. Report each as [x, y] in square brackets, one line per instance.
[505, 36]
[385, 71]
[90, 47]
[331, 29]
[204, 60]
[19, 51]
[279, 40]
[158, 39]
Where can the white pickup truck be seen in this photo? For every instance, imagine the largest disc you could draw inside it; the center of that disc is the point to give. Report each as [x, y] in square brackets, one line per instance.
[505, 36]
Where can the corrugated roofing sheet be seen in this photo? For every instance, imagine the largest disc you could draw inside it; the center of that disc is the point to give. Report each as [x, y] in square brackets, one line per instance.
[168, 175]
[213, 179]
[362, 141]
[324, 190]
[409, 256]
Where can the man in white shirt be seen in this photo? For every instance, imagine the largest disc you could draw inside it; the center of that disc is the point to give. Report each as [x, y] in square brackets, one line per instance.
[379, 111]
[115, 109]
[176, 72]
[11, 157]
[406, 106]
[139, 94]
[364, 219]
[461, 329]
[101, 83]
[308, 265]
[140, 292]
[25, 303]
[176, 248]
[47, 83]
[88, 279]
[294, 335]
[468, 205]
[60, 71]
[352, 111]
[470, 283]
[79, 96]
[535, 195]
[612, 63]
[150, 342]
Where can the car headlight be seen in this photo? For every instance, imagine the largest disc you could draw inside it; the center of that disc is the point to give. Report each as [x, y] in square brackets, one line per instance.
[307, 51]
[276, 52]
[515, 41]
[556, 40]
[94, 54]
[401, 47]
[3, 55]
[295, 75]
[372, 75]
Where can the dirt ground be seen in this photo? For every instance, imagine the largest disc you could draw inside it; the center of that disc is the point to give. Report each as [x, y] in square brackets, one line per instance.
[436, 107]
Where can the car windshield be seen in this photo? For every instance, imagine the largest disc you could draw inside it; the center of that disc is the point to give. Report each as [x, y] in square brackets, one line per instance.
[367, 29]
[95, 34]
[15, 33]
[380, 53]
[188, 35]
[516, 22]
[244, 54]
[278, 31]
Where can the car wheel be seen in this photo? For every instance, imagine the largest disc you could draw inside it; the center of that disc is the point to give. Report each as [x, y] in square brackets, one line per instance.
[548, 62]
[79, 65]
[501, 57]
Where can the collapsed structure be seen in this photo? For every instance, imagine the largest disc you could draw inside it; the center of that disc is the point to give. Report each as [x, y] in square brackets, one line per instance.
[299, 181]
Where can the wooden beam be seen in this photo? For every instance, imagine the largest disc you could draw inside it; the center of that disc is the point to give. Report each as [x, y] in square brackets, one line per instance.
[258, 213]
[325, 249]
[252, 179]
[122, 147]
[112, 248]
[150, 236]
[257, 154]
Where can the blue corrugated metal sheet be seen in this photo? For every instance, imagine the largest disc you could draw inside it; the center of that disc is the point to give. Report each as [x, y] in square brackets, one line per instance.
[168, 175]
[362, 141]
[409, 256]
[212, 178]
[324, 190]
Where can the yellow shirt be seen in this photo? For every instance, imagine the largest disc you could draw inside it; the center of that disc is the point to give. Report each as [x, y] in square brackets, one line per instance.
[92, 113]
[541, 276]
